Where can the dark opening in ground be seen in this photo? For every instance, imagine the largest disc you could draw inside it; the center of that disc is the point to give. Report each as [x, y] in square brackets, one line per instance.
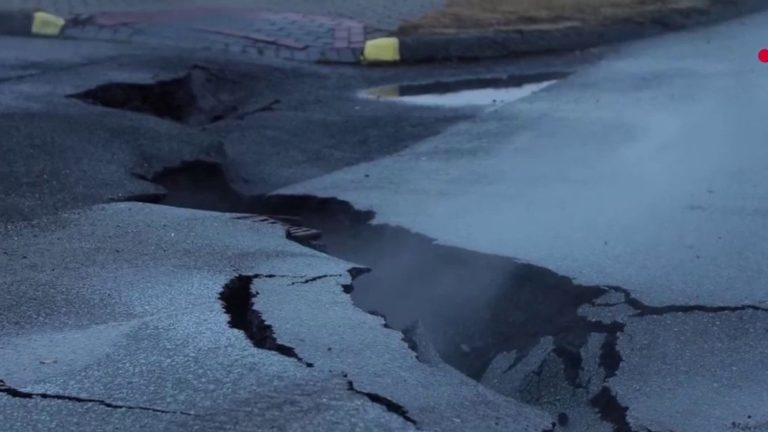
[237, 299]
[471, 306]
[611, 410]
[199, 97]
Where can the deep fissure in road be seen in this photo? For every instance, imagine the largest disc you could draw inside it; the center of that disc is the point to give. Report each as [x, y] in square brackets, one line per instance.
[199, 97]
[468, 307]
[472, 306]
[237, 299]
[387, 403]
[611, 410]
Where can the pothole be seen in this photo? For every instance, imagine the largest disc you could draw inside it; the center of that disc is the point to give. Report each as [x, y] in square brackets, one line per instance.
[199, 97]
[484, 91]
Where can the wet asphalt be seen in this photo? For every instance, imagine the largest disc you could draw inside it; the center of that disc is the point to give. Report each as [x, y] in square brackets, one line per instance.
[57, 148]
[641, 171]
[111, 314]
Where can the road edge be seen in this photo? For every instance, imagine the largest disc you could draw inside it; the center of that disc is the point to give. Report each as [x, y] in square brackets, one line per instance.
[522, 42]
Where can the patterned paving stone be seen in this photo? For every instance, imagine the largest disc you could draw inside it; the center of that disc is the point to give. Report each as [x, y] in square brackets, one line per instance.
[301, 30]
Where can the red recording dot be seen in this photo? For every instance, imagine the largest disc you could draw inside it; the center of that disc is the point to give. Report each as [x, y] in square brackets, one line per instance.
[763, 55]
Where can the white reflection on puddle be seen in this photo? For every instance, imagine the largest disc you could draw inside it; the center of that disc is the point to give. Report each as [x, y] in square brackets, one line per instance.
[474, 92]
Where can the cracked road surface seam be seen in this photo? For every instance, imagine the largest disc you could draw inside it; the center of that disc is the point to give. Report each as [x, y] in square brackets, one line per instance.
[315, 279]
[237, 297]
[646, 310]
[19, 394]
[378, 399]
[351, 234]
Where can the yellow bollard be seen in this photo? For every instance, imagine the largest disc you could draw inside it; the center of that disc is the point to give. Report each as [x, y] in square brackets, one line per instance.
[45, 24]
[382, 50]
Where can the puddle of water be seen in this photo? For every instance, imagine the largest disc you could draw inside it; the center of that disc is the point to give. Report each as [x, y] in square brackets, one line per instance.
[468, 92]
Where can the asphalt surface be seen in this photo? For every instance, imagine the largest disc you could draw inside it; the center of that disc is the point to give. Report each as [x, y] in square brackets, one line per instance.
[119, 304]
[111, 317]
[643, 171]
[319, 124]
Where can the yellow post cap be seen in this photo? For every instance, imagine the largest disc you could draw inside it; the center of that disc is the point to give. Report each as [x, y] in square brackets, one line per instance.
[45, 24]
[382, 50]
[391, 91]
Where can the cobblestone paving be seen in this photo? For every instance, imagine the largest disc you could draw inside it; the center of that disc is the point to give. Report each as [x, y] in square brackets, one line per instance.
[304, 30]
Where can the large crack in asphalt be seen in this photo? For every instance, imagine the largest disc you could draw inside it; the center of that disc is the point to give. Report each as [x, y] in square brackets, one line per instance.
[469, 307]
[20, 394]
[611, 410]
[388, 404]
[237, 299]
[644, 310]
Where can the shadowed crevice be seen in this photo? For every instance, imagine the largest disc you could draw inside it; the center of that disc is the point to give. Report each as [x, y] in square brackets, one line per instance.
[388, 404]
[470, 307]
[611, 410]
[610, 357]
[237, 298]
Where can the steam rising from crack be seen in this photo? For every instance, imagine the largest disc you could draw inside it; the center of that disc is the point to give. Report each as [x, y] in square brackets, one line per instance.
[469, 307]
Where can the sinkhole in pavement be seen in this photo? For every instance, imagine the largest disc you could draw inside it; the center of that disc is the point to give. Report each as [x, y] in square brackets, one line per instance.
[199, 97]
[466, 307]
[484, 91]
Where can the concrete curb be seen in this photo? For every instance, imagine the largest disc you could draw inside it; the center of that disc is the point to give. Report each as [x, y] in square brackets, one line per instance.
[30, 23]
[487, 45]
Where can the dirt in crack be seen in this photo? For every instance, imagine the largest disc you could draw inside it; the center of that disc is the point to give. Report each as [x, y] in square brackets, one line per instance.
[199, 97]
[237, 298]
[470, 306]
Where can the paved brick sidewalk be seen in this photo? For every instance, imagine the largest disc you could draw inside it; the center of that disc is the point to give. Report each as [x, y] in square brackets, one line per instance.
[306, 30]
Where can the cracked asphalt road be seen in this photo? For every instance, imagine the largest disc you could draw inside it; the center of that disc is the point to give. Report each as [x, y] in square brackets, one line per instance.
[643, 171]
[111, 317]
[144, 281]
[47, 135]
[640, 177]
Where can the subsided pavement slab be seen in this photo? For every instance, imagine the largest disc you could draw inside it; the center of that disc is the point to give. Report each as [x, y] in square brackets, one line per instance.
[139, 284]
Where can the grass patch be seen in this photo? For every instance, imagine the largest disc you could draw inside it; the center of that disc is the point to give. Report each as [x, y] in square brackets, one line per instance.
[467, 15]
